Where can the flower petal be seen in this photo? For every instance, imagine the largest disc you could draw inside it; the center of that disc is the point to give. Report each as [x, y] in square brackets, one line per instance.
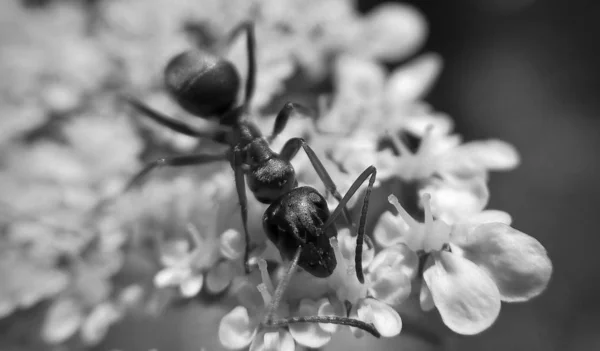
[453, 200]
[425, 298]
[235, 329]
[386, 320]
[392, 32]
[309, 334]
[96, 324]
[490, 216]
[347, 245]
[219, 276]
[330, 307]
[465, 295]
[398, 257]
[391, 272]
[279, 340]
[412, 81]
[387, 231]
[174, 251]
[517, 262]
[421, 119]
[391, 287]
[63, 319]
[491, 154]
[247, 294]
[232, 244]
[171, 276]
[191, 286]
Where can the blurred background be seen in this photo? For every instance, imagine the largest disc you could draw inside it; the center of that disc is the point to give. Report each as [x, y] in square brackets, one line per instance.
[524, 71]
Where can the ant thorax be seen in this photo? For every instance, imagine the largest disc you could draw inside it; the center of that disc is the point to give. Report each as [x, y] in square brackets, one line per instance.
[268, 176]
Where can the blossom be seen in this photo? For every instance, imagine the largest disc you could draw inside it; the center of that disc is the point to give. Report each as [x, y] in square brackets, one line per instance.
[186, 268]
[387, 283]
[443, 154]
[49, 65]
[240, 327]
[69, 314]
[348, 134]
[471, 266]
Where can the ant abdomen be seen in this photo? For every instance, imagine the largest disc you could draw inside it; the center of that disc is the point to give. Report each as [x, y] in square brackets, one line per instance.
[203, 84]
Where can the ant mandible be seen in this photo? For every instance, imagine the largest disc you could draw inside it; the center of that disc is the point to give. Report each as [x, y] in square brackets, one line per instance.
[300, 225]
[207, 86]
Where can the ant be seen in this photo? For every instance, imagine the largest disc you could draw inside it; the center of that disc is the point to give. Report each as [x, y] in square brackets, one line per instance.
[207, 86]
[300, 225]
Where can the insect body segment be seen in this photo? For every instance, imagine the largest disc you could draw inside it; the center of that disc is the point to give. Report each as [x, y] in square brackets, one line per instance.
[295, 220]
[202, 83]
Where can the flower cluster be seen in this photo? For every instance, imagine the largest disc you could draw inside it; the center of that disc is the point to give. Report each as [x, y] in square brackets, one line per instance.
[69, 147]
[471, 265]
[463, 260]
[341, 295]
[209, 214]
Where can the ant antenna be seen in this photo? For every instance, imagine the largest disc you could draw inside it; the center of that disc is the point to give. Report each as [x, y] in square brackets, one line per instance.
[371, 173]
[269, 320]
[248, 27]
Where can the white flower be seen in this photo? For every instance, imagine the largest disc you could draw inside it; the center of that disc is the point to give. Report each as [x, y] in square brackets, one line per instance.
[388, 278]
[239, 327]
[472, 265]
[443, 154]
[186, 268]
[387, 284]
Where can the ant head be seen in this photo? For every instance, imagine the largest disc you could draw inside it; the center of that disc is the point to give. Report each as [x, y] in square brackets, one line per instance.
[318, 257]
[203, 84]
[269, 179]
[295, 220]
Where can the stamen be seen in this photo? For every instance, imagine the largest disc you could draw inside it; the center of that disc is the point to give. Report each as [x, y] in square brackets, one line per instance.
[264, 292]
[197, 238]
[264, 274]
[343, 280]
[426, 200]
[369, 315]
[337, 280]
[341, 261]
[405, 216]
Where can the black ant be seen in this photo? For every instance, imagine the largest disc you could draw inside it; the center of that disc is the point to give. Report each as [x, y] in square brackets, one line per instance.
[207, 86]
[300, 225]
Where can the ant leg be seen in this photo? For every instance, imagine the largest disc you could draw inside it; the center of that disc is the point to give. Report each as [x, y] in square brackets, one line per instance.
[371, 173]
[282, 287]
[368, 327]
[270, 322]
[172, 123]
[283, 116]
[251, 47]
[177, 161]
[291, 148]
[240, 186]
